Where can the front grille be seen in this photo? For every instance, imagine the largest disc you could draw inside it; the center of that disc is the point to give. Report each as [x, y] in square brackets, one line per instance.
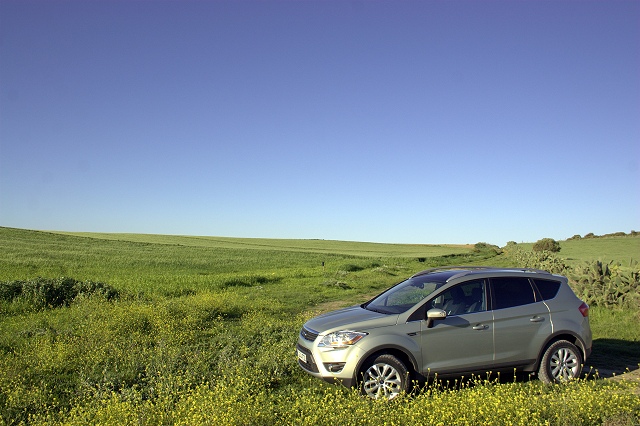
[309, 334]
[310, 365]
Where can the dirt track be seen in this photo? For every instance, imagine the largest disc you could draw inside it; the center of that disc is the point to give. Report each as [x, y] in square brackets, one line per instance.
[632, 376]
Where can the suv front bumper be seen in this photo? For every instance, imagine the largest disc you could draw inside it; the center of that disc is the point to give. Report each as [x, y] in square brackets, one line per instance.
[332, 366]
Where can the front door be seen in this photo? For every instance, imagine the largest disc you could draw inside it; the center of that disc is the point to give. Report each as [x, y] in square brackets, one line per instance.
[463, 341]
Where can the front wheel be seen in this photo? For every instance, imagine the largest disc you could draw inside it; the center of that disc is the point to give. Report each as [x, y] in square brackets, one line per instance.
[384, 377]
[562, 361]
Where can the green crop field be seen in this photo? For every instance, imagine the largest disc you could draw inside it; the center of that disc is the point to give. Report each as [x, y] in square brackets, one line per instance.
[154, 329]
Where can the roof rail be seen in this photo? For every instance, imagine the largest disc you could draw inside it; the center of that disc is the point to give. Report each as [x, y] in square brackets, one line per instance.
[531, 270]
[468, 269]
[448, 268]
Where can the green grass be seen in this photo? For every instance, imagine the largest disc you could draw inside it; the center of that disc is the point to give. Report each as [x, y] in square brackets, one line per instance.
[623, 250]
[616, 340]
[174, 264]
[204, 329]
[310, 246]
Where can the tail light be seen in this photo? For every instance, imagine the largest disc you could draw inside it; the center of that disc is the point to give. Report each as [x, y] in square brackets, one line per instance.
[584, 309]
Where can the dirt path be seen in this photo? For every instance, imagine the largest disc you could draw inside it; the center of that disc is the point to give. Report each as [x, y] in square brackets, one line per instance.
[630, 376]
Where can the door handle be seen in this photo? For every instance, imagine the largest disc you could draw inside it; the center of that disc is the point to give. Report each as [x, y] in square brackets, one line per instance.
[537, 319]
[480, 327]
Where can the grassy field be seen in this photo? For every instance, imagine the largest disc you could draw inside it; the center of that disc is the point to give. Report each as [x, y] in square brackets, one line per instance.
[623, 250]
[310, 246]
[203, 331]
[156, 265]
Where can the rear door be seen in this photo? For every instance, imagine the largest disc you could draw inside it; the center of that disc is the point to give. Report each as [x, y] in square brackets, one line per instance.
[521, 319]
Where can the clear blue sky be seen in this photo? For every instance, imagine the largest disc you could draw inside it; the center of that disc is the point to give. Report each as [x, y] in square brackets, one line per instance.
[384, 121]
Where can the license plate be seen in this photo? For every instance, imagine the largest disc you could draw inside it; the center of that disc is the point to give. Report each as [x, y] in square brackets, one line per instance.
[302, 356]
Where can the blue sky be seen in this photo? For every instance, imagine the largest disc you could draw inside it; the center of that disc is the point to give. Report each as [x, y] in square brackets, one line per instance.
[384, 121]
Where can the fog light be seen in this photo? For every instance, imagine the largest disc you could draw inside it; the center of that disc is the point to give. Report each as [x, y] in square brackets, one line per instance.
[334, 367]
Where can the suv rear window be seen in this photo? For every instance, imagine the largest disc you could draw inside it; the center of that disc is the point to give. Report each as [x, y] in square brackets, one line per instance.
[548, 288]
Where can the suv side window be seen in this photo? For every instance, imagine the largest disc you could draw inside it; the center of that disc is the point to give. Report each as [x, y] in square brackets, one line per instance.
[512, 291]
[462, 299]
[548, 288]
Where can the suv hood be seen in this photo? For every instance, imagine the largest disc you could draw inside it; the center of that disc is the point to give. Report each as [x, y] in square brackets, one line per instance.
[353, 318]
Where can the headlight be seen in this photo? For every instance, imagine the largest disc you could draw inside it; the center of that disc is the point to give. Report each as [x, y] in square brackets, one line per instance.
[340, 339]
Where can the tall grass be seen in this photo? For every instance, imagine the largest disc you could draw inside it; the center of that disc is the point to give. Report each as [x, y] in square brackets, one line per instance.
[174, 265]
[203, 333]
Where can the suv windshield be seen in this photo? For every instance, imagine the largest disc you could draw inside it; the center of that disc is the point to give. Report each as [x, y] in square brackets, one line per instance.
[403, 296]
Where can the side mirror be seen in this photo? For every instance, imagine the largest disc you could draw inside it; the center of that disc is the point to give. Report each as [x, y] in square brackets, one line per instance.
[435, 314]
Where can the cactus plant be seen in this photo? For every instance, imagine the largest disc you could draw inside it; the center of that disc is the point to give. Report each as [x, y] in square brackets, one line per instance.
[598, 283]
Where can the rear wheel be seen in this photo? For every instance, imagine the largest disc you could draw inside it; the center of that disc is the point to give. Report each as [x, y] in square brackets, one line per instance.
[384, 377]
[562, 361]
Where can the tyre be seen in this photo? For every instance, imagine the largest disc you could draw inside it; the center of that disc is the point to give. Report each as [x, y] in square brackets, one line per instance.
[384, 377]
[562, 361]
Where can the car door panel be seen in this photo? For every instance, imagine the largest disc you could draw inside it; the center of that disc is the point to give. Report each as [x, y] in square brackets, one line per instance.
[458, 343]
[463, 341]
[520, 332]
[522, 321]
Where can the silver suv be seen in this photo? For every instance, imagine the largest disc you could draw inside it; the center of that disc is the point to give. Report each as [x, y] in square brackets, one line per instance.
[451, 321]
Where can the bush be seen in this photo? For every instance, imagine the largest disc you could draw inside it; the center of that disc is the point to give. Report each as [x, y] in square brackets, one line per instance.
[545, 260]
[486, 248]
[350, 267]
[41, 293]
[547, 244]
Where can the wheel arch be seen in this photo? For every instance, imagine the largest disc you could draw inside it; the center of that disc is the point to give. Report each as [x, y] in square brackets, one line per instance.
[567, 335]
[399, 352]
